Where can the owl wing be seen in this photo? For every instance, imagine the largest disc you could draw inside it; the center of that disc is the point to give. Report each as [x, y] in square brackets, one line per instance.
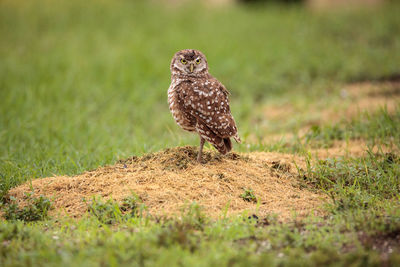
[208, 102]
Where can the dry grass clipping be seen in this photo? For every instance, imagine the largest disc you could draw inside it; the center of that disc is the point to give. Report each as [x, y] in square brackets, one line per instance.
[168, 180]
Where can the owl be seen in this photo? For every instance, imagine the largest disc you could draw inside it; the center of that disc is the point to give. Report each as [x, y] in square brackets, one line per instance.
[199, 102]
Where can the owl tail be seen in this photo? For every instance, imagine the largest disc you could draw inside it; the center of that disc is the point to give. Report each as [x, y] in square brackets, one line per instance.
[237, 138]
[224, 146]
[228, 144]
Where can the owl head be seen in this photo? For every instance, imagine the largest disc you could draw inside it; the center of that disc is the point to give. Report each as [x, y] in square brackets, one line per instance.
[189, 62]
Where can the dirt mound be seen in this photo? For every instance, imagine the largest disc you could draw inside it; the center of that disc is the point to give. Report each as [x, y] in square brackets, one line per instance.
[170, 179]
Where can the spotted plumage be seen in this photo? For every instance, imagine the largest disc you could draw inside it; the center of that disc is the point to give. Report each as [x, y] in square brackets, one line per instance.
[199, 102]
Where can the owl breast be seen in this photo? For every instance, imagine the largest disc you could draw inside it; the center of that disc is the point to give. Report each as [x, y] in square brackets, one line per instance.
[182, 117]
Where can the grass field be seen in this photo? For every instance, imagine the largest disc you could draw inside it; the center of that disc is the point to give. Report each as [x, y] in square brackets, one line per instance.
[84, 83]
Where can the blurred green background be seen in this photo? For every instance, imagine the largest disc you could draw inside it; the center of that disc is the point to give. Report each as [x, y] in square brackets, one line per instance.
[83, 83]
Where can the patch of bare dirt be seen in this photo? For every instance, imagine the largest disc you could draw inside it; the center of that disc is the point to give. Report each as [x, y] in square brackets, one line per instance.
[355, 98]
[168, 180]
[371, 97]
[329, 5]
[353, 148]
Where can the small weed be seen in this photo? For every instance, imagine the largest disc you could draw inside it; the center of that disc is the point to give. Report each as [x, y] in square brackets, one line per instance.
[132, 206]
[106, 212]
[35, 210]
[178, 233]
[109, 211]
[187, 231]
[248, 195]
[194, 216]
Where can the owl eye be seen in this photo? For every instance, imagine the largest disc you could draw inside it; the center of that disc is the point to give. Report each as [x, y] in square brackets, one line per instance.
[198, 61]
[183, 61]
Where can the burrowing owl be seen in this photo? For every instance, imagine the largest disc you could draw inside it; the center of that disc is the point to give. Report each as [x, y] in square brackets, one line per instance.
[199, 102]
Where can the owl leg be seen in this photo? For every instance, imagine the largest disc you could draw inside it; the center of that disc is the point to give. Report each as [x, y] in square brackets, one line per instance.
[201, 149]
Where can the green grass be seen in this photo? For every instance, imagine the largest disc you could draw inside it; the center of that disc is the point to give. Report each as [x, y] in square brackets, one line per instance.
[83, 83]
[193, 240]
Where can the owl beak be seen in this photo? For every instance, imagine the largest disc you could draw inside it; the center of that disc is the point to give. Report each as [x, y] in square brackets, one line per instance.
[191, 67]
